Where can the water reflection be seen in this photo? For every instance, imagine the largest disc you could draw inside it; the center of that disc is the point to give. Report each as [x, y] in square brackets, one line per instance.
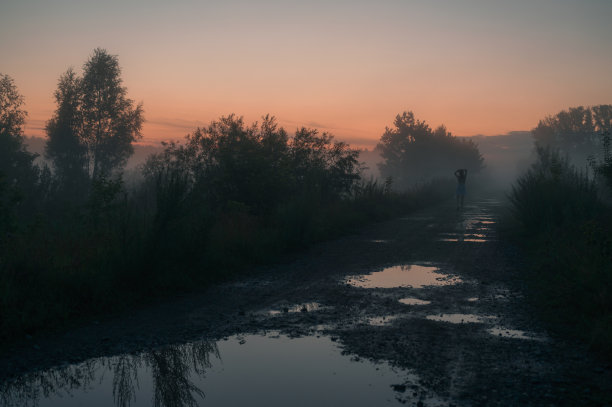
[413, 275]
[414, 301]
[304, 307]
[170, 368]
[269, 370]
[513, 333]
[382, 321]
[460, 318]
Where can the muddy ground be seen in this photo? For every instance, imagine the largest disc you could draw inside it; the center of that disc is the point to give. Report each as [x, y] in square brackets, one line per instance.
[465, 330]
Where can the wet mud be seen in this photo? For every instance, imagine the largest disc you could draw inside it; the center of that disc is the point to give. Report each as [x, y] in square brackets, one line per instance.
[426, 310]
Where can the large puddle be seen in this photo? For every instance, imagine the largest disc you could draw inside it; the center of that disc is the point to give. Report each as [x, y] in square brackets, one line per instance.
[262, 370]
[414, 276]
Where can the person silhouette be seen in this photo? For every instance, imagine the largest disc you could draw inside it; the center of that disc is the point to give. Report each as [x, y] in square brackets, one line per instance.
[461, 175]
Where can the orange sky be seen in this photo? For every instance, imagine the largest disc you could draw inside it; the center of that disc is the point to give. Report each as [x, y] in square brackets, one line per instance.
[347, 67]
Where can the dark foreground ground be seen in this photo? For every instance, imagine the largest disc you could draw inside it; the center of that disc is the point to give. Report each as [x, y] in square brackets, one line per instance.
[462, 334]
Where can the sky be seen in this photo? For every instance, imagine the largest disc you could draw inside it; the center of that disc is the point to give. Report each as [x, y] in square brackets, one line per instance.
[345, 67]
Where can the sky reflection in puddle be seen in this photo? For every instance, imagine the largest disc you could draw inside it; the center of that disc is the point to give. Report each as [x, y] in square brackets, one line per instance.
[415, 276]
[463, 240]
[382, 321]
[414, 301]
[270, 370]
[461, 318]
[513, 333]
[304, 307]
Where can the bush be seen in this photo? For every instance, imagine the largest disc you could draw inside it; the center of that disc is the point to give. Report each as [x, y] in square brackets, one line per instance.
[567, 231]
[553, 194]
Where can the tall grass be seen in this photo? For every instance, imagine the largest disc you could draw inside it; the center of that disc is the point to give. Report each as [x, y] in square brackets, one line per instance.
[566, 228]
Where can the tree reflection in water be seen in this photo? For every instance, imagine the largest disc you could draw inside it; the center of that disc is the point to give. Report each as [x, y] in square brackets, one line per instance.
[171, 368]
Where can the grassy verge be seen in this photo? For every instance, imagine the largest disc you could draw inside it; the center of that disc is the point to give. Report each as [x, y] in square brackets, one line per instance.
[566, 228]
[87, 263]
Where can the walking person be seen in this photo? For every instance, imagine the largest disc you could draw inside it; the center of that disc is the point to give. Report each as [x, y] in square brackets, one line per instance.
[461, 175]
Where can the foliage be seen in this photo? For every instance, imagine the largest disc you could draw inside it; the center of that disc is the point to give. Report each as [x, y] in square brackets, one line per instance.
[552, 193]
[64, 146]
[566, 228]
[92, 130]
[230, 197]
[603, 166]
[575, 131]
[258, 165]
[413, 152]
[18, 175]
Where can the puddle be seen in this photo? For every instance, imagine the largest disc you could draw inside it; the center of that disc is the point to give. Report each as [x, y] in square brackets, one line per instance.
[414, 301]
[465, 235]
[305, 307]
[463, 240]
[414, 276]
[267, 370]
[461, 318]
[382, 321]
[513, 333]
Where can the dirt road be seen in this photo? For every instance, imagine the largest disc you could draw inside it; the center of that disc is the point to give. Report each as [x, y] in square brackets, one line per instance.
[433, 302]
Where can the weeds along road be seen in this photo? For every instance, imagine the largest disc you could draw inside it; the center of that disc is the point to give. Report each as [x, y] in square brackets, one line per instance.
[433, 302]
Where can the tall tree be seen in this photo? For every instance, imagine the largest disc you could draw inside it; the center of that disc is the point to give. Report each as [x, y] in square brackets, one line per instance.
[413, 152]
[95, 123]
[17, 172]
[64, 146]
[15, 161]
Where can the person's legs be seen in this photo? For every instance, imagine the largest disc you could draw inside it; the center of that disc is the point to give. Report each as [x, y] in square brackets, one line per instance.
[460, 195]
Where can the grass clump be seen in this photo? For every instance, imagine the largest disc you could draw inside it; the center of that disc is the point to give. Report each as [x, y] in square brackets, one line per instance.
[566, 227]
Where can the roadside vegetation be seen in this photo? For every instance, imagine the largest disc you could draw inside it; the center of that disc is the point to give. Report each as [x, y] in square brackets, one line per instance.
[565, 217]
[76, 240]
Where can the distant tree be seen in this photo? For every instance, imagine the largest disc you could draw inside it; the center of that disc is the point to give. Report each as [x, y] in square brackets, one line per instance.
[95, 124]
[413, 152]
[575, 131]
[17, 172]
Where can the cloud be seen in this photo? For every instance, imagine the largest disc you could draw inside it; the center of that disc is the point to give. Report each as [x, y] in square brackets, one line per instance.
[178, 124]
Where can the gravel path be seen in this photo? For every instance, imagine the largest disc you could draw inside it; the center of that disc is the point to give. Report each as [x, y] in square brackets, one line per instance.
[435, 294]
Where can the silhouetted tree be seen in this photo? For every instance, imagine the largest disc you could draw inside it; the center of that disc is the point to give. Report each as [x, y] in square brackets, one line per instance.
[258, 166]
[17, 172]
[413, 152]
[64, 145]
[602, 165]
[575, 131]
[95, 123]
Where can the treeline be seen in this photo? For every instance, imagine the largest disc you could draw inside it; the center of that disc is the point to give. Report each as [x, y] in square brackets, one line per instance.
[565, 218]
[76, 241]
